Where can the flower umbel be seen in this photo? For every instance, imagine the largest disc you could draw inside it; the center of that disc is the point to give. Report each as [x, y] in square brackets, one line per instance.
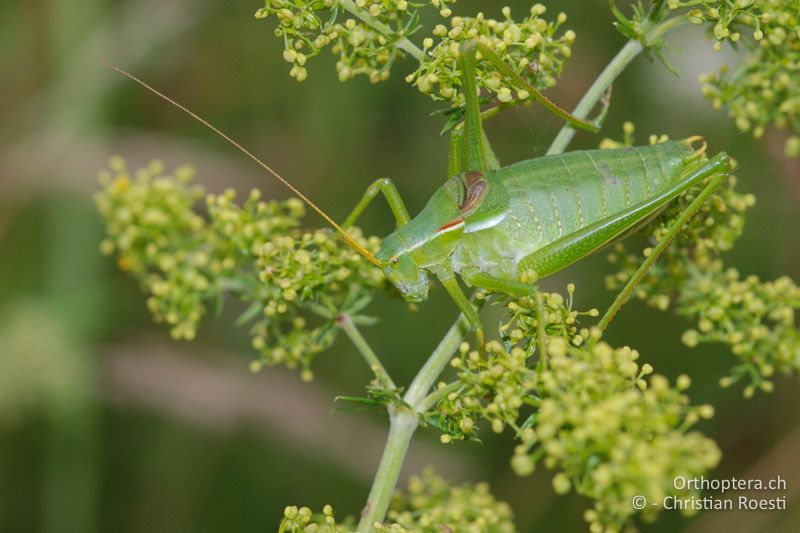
[369, 36]
[307, 27]
[609, 426]
[295, 281]
[533, 47]
[429, 505]
[765, 88]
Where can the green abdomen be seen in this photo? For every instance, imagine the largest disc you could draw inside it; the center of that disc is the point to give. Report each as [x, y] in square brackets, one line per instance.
[554, 196]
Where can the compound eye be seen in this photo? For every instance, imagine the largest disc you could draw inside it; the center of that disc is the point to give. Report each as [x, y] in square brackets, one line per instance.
[395, 262]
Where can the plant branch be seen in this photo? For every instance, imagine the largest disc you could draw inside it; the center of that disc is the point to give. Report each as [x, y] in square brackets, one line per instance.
[403, 423]
[541, 334]
[438, 360]
[612, 71]
[345, 323]
[431, 399]
[628, 52]
[403, 43]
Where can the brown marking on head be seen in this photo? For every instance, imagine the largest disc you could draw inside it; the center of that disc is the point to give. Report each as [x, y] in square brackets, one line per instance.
[471, 177]
[474, 193]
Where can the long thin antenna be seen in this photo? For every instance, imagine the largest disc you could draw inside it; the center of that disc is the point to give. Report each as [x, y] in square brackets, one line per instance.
[360, 249]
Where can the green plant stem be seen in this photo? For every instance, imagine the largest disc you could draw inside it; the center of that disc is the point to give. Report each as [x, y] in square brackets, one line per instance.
[71, 486]
[541, 334]
[403, 424]
[438, 360]
[403, 43]
[346, 324]
[623, 58]
[631, 49]
[431, 399]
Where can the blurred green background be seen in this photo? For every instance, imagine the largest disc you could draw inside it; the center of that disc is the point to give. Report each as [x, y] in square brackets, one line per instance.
[106, 424]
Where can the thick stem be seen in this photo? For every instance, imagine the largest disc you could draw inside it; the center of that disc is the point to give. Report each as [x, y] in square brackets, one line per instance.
[403, 425]
[345, 323]
[623, 58]
[631, 49]
[438, 360]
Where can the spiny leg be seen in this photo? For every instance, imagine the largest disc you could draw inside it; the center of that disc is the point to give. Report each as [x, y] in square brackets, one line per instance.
[519, 288]
[593, 126]
[390, 192]
[710, 167]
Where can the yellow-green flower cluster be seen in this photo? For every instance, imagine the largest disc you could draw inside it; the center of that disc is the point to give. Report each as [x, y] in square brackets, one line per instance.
[610, 428]
[533, 47]
[296, 282]
[497, 384]
[308, 279]
[561, 320]
[304, 520]
[368, 36]
[158, 239]
[494, 386]
[430, 505]
[765, 88]
[181, 259]
[728, 18]
[308, 26]
[240, 232]
[755, 318]
[612, 432]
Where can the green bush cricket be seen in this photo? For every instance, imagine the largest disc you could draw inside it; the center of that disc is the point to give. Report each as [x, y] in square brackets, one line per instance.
[503, 228]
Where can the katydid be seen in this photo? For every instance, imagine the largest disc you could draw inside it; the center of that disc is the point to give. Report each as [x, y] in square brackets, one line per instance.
[503, 228]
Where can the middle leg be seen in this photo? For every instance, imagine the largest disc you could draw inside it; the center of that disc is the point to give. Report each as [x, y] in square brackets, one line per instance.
[517, 288]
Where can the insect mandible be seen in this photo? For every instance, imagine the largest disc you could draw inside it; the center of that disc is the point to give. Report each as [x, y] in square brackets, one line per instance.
[502, 228]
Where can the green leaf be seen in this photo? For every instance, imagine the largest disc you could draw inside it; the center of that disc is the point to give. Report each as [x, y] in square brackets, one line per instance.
[320, 310]
[623, 20]
[359, 403]
[364, 320]
[249, 314]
